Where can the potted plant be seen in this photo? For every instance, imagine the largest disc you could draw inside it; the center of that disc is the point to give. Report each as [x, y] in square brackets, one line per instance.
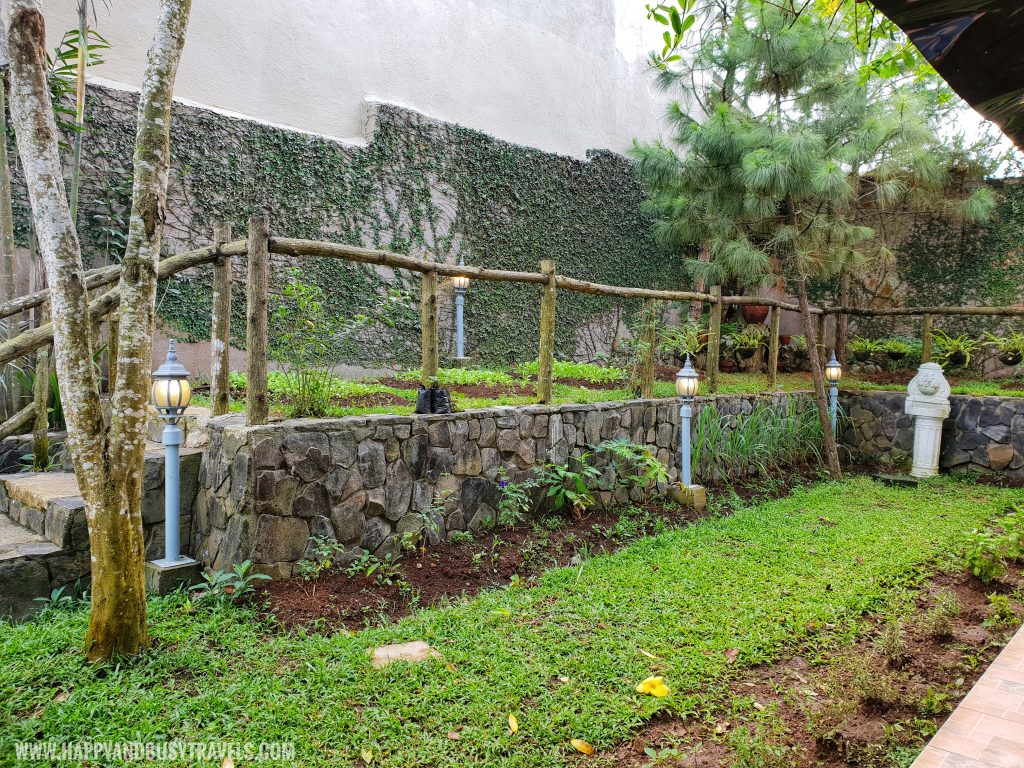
[754, 314]
[1010, 347]
[686, 339]
[798, 345]
[896, 349]
[862, 348]
[746, 340]
[954, 351]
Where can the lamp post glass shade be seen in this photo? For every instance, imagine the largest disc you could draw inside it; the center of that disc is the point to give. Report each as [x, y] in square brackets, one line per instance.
[461, 282]
[171, 390]
[687, 382]
[833, 370]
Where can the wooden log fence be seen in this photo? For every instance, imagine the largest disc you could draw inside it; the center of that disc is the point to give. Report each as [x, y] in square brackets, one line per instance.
[648, 342]
[259, 245]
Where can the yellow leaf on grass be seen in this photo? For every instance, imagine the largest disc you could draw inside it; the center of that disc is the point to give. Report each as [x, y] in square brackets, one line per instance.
[581, 746]
[647, 685]
[513, 723]
[367, 755]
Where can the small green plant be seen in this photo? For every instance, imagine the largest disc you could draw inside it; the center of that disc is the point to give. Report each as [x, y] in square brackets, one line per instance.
[875, 689]
[222, 588]
[1011, 343]
[1001, 613]
[635, 466]
[325, 551]
[384, 571]
[761, 745]
[937, 622]
[984, 555]
[933, 703]
[893, 643]
[567, 486]
[513, 499]
[953, 351]
[460, 537]
[56, 601]
[564, 369]
[896, 348]
[425, 526]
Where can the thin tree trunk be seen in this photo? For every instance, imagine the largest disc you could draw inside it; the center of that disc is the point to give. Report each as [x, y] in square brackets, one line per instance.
[83, 58]
[41, 388]
[843, 319]
[8, 265]
[108, 463]
[818, 375]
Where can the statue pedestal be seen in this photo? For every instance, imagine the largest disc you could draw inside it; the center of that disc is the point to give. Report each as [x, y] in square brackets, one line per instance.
[928, 403]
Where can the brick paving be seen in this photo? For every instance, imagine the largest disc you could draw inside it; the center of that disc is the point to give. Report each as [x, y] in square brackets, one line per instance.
[987, 729]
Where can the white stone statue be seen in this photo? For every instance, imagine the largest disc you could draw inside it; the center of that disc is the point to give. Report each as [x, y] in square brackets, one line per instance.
[928, 403]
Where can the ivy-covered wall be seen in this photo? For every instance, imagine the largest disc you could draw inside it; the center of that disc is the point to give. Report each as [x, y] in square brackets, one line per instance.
[419, 186]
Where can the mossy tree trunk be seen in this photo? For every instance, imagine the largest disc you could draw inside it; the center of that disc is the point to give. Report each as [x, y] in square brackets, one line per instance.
[107, 459]
[818, 376]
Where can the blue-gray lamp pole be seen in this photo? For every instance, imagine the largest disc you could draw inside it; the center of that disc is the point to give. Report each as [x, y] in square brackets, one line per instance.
[461, 284]
[833, 372]
[686, 387]
[171, 395]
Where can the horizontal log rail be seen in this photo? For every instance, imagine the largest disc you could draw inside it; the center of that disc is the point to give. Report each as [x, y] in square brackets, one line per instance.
[94, 278]
[18, 421]
[910, 311]
[100, 307]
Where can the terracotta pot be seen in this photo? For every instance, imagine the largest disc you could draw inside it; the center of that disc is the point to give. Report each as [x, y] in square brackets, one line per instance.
[754, 314]
[1011, 358]
[726, 365]
[862, 355]
[784, 340]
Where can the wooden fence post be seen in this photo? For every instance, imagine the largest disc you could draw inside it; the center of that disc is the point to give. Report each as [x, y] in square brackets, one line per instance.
[714, 338]
[220, 326]
[648, 338]
[546, 357]
[428, 327]
[257, 406]
[773, 349]
[926, 339]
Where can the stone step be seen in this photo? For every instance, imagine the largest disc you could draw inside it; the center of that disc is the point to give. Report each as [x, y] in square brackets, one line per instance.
[48, 504]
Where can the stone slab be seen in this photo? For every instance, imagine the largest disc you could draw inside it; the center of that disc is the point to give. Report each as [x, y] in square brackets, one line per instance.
[38, 489]
[414, 651]
[695, 496]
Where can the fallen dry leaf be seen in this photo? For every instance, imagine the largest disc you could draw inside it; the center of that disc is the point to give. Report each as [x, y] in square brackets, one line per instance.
[581, 746]
[513, 723]
[731, 654]
[454, 735]
[648, 655]
[227, 762]
[367, 755]
[563, 679]
[721, 727]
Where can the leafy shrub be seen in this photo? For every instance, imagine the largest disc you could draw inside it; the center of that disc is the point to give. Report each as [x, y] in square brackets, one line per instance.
[893, 643]
[226, 587]
[384, 571]
[986, 552]
[460, 537]
[308, 341]
[947, 346]
[681, 340]
[1001, 613]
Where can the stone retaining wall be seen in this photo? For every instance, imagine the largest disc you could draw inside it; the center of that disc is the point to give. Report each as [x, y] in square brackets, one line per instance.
[981, 433]
[263, 491]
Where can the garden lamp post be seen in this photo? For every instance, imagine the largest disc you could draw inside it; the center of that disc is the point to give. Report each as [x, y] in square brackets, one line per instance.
[687, 385]
[461, 284]
[833, 372]
[171, 395]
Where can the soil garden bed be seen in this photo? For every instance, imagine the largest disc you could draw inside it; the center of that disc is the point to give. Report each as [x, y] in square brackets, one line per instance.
[469, 390]
[449, 570]
[872, 703]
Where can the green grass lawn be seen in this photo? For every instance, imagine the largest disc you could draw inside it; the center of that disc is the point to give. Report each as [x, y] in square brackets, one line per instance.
[796, 573]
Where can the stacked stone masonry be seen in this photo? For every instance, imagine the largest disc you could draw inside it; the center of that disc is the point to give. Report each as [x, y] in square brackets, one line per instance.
[984, 434]
[263, 491]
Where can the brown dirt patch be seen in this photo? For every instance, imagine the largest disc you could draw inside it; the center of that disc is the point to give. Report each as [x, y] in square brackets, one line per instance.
[447, 570]
[850, 706]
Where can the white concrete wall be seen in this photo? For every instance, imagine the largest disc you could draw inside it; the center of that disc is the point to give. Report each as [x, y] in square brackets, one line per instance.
[562, 77]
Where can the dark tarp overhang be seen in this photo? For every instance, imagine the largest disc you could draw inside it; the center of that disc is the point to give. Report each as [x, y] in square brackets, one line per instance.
[978, 48]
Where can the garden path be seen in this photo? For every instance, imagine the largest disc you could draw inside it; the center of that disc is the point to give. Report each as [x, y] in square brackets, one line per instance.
[987, 729]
